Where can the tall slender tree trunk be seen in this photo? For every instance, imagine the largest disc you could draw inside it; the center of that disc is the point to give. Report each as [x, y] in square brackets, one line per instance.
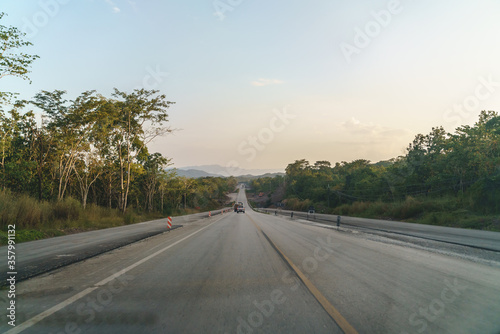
[3, 171]
[122, 181]
[161, 200]
[110, 190]
[127, 187]
[84, 200]
[129, 165]
[40, 165]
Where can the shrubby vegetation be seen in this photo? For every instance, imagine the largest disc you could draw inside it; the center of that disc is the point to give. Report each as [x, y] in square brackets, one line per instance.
[87, 163]
[92, 153]
[95, 149]
[89, 154]
[37, 219]
[444, 178]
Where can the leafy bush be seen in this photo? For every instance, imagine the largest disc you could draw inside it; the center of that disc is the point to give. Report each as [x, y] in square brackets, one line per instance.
[67, 209]
[129, 218]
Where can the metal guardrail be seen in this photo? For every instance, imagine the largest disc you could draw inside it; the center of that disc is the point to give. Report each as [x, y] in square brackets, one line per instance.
[201, 215]
[300, 214]
[485, 240]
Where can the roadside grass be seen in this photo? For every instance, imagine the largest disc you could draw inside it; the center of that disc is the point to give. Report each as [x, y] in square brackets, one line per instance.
[448, 211]
[460, 219]
[444, 211]
[35, 220]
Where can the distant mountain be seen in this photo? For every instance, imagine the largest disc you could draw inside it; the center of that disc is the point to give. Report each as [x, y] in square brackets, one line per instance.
[217, 170]
[248, 177]
[195, 173]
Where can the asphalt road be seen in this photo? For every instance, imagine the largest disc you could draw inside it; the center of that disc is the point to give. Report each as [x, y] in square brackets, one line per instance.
[256, 273]
[37, 257]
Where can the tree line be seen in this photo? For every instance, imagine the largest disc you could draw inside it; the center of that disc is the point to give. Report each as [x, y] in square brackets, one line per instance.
[464, 165]
[94, 148]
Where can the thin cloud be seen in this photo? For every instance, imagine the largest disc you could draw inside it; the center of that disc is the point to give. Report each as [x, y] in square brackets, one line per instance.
[133, 5]
[113, 6]
[371, 141]
[374, 131]
[265, 82]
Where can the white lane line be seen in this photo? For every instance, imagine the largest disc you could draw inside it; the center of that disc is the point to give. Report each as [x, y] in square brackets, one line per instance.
[25, 325]
[33, 321]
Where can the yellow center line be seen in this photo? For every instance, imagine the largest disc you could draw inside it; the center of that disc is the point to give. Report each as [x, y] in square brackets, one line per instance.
[327, 306]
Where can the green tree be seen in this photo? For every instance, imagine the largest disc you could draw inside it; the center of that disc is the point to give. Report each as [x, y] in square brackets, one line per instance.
[139, 118]
[16, 147]
[154, 168]
[188, 188]
[165, 181]
[71, 125]
[87, 169]
[12, 61]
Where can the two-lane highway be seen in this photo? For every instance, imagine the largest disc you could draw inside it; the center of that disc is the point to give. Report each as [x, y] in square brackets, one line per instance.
[257, 273]
[208, 277]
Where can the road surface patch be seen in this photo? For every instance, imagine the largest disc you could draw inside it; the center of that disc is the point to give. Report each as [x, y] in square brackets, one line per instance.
[327, 306]
[33, 321]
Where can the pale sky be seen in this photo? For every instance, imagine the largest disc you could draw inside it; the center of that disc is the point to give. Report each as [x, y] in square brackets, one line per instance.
[266, 83]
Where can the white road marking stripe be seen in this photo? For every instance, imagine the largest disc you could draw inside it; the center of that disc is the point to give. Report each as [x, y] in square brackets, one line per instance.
[33, 321]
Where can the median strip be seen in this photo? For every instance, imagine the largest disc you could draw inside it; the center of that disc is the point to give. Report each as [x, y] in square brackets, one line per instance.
[327, 306]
